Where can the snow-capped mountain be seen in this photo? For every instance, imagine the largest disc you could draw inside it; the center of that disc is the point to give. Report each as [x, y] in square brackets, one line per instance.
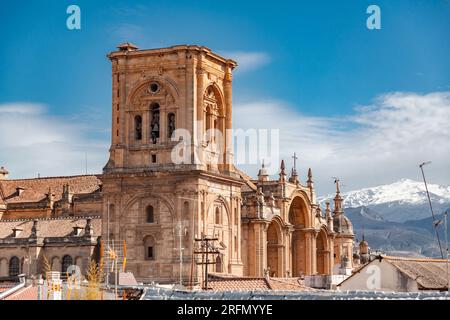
[396, 217]
[403, 192]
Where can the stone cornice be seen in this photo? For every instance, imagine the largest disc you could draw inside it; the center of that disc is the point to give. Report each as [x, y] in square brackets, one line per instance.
[175, 50]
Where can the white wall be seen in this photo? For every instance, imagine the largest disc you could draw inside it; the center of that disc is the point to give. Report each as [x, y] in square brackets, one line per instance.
[379, 276]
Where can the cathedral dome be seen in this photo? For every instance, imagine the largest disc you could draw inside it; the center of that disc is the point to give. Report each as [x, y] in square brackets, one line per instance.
[342, 224]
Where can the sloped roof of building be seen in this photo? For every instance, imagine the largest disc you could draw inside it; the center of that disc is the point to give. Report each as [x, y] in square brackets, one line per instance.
[249, 185]
[238, 284]
[49, 227]
[7, 285]
[287, 284]
[430, 274]
[35, 190]
[26, 293]
[127, 279]
[231, 283]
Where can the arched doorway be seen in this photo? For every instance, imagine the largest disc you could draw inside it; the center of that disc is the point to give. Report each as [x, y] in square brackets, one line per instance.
[67, 261]
[322, 252]
[298, 216]
[274, 246]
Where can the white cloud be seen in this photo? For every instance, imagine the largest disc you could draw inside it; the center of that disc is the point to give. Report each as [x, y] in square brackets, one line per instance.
[33, 142]
[22, 108]
[127, 32]
[247, 61]
[378, 144]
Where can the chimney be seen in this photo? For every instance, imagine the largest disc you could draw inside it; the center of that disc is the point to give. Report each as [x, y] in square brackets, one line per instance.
[3, 173]
[16, 232]
[88, 231]
[127, 46]
[77, 230]
[50, 198]
[34, 229]
[67, 194]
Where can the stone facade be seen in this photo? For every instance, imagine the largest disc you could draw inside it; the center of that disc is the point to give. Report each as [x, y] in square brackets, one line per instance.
[155, 92]
[182, 96]
[63, 241]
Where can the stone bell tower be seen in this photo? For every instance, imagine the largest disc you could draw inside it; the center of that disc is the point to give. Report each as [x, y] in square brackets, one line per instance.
[170, 177]
[156, 92]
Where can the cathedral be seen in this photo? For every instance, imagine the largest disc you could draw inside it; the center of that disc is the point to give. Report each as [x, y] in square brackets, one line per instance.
[160, 207]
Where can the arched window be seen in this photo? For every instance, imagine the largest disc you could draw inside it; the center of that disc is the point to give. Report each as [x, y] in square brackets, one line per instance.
[218, 264]
[212, 112]
[208, 120]
[154, 125]
[14, 266]
[150, 217]
[186, 213]
[170, 124]
[218, 216]
[138, 127]
[149, 247]
[67, 261]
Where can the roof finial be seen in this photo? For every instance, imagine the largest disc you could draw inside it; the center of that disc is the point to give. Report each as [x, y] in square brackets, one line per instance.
[3, 173]
[294, 176]
[310, 180]
[262, 174]
[336, 181]
[282, 172]
[294, 171]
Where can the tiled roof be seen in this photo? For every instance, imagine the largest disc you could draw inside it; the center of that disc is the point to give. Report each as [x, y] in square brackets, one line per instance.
[238, 284]
[5, 286]
[249, 185]
[430, 274]
[287, 284]
[35, 190]
[50, 227]
[228, 283]
[27, 293]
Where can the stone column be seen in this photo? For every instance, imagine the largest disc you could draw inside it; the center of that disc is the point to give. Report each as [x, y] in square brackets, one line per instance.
[308, 253]
[228, 149]
[257, 252]
[238, 226]
[331, 256]
[314, 252]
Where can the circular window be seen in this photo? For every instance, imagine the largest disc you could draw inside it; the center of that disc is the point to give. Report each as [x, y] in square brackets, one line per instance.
[154, 87]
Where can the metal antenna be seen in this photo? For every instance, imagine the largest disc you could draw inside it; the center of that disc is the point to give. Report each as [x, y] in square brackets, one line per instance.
[446, 244]
[435, 223]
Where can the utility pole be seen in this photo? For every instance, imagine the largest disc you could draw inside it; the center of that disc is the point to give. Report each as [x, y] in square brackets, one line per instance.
[180, 249]
[206, 248]
[446, 244]
[107, 241]
[435, 223]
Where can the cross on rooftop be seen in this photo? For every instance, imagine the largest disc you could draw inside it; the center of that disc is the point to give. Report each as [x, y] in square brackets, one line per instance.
[295, 161]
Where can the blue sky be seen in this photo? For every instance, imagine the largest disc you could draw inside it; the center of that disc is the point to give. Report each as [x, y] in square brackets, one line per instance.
[314, 58]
